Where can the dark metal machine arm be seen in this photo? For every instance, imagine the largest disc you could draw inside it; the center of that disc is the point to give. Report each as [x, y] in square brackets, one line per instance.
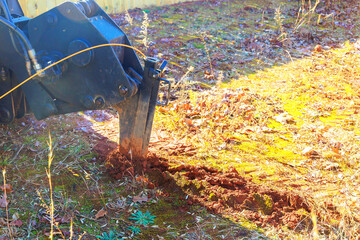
[110, 76]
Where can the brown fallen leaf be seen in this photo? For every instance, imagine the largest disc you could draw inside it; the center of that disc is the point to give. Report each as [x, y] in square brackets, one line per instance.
[3, 222]
[310, 152]
[100, 214]
[16, 223]
[66, 218]
[8, 188]
[317, 48]
[331, 166]
[284, 118]
[188, 122]
[140, 199]
[269, 130]
[3, 202]
[142, 179]
[186, 106]
[163, 110]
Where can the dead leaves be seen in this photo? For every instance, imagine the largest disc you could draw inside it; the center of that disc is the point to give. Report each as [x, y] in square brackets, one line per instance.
[145, 182]
[317, 48]
[3, 201]
[3, 222]
[140, 199]
[136, 199]
[162, 110]
[179, 148]
[15, 221]
[100, 214]
[310, 152]
[7, 188]
[216, 108]
[208, 75]
[213, 116]
[285, 118]
[188, 122]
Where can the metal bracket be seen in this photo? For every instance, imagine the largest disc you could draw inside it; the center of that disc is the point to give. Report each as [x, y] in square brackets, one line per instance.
[136, 115]
[167, 94]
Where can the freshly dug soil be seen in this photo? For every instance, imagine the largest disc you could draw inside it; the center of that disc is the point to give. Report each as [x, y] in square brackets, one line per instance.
[221, 192]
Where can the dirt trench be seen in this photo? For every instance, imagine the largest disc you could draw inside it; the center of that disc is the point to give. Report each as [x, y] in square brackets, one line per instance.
[220, 192]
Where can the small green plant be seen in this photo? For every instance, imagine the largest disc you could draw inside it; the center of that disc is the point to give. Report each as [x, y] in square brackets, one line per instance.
[110, 236]
[134, 230]
[142, 218]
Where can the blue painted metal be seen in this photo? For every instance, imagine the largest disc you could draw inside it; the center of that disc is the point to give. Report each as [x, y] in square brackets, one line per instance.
[96, 79]
[85, 80]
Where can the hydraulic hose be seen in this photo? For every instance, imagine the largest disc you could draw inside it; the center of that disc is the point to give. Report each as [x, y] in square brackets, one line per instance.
[8, 16]
[6, 10]
[30, 51]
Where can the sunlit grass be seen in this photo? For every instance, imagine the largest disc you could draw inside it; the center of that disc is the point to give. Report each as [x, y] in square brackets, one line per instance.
[291, 122]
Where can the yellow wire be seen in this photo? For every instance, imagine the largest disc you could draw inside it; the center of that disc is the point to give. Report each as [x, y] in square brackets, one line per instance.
[70, 56]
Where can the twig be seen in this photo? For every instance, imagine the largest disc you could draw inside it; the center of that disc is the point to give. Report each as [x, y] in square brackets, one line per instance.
[17, 153]
[207, 53]
[82, 236]
[48, 172]
[6, 204]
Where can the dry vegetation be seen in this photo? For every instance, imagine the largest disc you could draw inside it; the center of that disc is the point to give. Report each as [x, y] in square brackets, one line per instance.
[291, 127]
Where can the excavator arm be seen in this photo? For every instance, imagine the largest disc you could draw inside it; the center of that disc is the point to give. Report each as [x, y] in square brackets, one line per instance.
[100, 69]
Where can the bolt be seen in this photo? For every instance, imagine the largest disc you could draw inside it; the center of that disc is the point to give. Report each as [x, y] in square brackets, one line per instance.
[3, 75]
[123, 90]
[99, 102]
[51, 19]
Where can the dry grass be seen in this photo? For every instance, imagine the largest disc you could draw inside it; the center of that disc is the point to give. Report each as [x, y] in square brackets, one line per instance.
[293, 126]
[144, 31]
[48, 173]
[128, 18]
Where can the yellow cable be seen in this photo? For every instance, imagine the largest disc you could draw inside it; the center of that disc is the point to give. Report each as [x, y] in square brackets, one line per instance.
[70, 56]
